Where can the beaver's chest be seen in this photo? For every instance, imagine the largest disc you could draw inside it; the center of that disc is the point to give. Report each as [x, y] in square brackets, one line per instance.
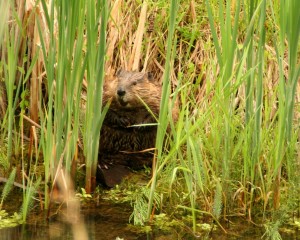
[130, 131]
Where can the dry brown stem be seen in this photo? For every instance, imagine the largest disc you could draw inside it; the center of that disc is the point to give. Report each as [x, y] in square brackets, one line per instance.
[113, 35]
[137, 47]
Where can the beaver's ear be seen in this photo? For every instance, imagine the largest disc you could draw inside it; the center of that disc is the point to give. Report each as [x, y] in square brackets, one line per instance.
[149, 75]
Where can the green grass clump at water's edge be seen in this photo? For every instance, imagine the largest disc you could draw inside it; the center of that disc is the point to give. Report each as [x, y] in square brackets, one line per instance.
[227, 150]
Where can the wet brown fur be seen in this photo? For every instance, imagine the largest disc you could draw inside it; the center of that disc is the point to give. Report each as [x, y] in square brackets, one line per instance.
[121, 141]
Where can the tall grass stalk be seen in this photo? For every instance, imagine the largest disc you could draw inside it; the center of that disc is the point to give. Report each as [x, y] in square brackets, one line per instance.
[259, 96]
[65, 66]
[13, 70]
[14, 63]
[163, 120]
[97, 12]
[254, 93]
[47, 139]
[10, 78]
[226, 51]
[4, 5]
[289, 20]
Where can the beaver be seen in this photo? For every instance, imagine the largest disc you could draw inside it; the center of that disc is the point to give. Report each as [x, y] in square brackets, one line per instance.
[129, 128]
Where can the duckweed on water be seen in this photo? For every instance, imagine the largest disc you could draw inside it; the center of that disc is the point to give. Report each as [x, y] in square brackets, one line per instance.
[7, 220]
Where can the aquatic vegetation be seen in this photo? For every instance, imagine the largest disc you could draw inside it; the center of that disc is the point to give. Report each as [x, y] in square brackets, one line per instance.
[8, 186]
[83, 196]
[7, 220]
[272, 231]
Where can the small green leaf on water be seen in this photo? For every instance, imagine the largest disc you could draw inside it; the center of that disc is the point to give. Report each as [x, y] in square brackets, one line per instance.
[297, 223]
[205, 227]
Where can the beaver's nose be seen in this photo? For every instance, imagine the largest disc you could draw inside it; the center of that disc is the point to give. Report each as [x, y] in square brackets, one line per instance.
[121, 92]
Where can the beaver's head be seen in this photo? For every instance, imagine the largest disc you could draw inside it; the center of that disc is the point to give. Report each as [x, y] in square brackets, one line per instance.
[131, 87]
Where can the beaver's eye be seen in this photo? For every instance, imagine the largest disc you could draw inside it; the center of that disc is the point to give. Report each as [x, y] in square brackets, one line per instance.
[134, 83]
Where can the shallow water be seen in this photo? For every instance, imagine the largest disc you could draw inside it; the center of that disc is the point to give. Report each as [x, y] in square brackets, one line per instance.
[110, 221]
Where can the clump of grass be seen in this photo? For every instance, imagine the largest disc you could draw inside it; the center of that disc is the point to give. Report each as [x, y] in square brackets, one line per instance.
[8, 186]
[229, 138]
[288, 19]
[140, 201]
[95, 76]
[28, 198]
